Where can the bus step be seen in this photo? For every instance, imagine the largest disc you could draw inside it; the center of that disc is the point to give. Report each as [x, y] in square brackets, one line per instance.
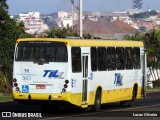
[84, 105]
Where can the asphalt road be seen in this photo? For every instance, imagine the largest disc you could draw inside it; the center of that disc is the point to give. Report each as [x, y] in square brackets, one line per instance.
[145, 109]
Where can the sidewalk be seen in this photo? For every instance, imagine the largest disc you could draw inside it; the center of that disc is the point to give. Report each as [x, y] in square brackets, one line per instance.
[154, 90]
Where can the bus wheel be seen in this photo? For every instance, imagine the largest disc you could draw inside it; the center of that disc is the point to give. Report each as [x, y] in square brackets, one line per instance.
[97, 103]
[134, 93]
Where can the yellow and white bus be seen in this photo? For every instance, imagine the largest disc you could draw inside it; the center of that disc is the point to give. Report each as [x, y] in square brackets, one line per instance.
[78, 71]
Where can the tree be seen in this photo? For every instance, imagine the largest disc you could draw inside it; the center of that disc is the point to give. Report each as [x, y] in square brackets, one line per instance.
[64, 32]
[60, 33]
[10, 30]
[87, 36]
[145, 14]
[152, 43]
[137, 37]
[137, 4]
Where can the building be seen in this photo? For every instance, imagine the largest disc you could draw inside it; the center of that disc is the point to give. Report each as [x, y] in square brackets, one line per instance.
[64, 22]
[33, 22]
[35, 26]
[105, 29]
[35, 15]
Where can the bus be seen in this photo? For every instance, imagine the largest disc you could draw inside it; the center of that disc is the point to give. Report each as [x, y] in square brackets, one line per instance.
[82, 72]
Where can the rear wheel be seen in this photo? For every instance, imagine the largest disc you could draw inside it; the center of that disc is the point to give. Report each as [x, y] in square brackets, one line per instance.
[97, 103]
[134, 94]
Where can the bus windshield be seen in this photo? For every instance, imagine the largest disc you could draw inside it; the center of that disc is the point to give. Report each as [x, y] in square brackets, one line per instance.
[41, 52]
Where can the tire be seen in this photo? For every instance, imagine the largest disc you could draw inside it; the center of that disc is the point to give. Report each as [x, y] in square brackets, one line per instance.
[134, 94]
[97, 102]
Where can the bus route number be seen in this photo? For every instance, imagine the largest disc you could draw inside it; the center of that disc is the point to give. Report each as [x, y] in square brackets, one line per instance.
[26, 77]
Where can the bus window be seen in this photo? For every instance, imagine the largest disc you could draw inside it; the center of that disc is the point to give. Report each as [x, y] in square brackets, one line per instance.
[76, 59]
[111, 58]
[128, 56]
[120, 58]
[41, 51]
[102, 59]
[93, 59]
[136, 58]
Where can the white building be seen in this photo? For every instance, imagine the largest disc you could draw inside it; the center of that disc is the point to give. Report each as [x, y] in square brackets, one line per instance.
[62, 14]
[64, 22]
[34, 25]
[29, 15]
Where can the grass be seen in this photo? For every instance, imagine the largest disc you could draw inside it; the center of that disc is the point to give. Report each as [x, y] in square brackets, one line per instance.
[5, 97]
[154, 88]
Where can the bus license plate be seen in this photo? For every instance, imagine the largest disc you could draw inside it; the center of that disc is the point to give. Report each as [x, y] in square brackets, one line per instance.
[40, 86]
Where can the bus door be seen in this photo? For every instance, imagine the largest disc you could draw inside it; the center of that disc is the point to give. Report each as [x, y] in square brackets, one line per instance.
[85, 77]
[143, 67]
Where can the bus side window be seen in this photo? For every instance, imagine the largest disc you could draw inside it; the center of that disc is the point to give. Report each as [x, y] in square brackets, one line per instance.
[111, 58]
[102, 59]
[136, 58]
[128, 56]
[76, 59]
[120, 58]
[93, 58]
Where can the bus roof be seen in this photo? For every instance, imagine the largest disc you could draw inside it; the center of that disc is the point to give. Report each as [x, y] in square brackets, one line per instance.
[89, 42]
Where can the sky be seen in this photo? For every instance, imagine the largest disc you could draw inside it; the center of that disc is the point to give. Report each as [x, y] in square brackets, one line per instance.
[50, 6]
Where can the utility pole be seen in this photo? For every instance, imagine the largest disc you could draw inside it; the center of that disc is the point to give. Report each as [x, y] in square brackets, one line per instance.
[72, 13]
[80, 19]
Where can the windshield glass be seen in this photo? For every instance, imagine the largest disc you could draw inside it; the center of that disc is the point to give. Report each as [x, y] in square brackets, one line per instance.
[41, 51]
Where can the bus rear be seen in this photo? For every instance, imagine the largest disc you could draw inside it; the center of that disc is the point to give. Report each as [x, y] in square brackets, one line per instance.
[40, 70]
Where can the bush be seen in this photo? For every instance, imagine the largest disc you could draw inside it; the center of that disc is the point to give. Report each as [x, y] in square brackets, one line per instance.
[156, 83]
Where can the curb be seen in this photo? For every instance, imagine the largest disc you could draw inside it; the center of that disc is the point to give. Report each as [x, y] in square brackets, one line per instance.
[6, 101]
[149, 91]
